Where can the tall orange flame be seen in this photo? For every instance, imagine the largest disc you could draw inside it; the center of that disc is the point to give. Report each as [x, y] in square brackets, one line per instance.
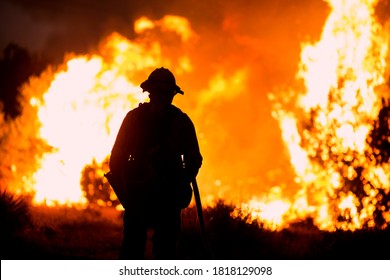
[327, 132]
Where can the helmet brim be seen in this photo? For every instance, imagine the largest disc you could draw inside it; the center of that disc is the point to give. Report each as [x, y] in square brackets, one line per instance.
[148, 84]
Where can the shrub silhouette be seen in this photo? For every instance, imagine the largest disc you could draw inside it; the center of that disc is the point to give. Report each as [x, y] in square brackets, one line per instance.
[14, 214]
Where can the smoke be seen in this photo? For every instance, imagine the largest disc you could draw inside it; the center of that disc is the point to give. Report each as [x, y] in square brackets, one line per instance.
[56, 27]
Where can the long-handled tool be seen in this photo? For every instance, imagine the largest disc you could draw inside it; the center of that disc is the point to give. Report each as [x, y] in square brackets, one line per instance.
[200, 217]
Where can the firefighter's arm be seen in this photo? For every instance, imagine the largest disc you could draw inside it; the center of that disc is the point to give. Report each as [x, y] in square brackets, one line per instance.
[192, 156]
[120, 150]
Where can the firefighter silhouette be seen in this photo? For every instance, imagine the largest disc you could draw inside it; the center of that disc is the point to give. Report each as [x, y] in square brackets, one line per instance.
[155, 156]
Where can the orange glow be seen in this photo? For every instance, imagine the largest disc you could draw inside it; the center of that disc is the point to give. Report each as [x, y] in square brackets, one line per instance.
[83, 106]
[77, 120]
[77, 109]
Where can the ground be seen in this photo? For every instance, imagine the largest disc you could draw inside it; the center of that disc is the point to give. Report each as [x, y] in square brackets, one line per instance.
[96, 233]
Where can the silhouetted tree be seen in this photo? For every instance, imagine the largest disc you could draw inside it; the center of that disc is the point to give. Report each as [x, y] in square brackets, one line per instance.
[380, 135]
[16, 66]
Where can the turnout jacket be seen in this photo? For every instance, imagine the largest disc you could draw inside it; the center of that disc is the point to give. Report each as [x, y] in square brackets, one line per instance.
[165, 139]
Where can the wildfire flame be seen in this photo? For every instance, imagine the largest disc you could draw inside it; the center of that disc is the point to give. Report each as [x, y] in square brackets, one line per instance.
[73, 112]
[81, 110]
[327, 134]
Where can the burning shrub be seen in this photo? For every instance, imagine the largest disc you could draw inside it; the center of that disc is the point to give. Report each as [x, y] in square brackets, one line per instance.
[362, 179]
[380, 135]
[97, 189]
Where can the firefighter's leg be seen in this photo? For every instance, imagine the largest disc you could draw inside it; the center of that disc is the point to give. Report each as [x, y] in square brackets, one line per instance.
[166, 234]
[134, 236]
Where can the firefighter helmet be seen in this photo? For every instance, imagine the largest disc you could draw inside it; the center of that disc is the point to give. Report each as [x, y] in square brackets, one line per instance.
[161, 78]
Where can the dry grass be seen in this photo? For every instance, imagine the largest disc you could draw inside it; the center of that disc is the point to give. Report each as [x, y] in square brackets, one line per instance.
[67, 233]
[96, 233]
